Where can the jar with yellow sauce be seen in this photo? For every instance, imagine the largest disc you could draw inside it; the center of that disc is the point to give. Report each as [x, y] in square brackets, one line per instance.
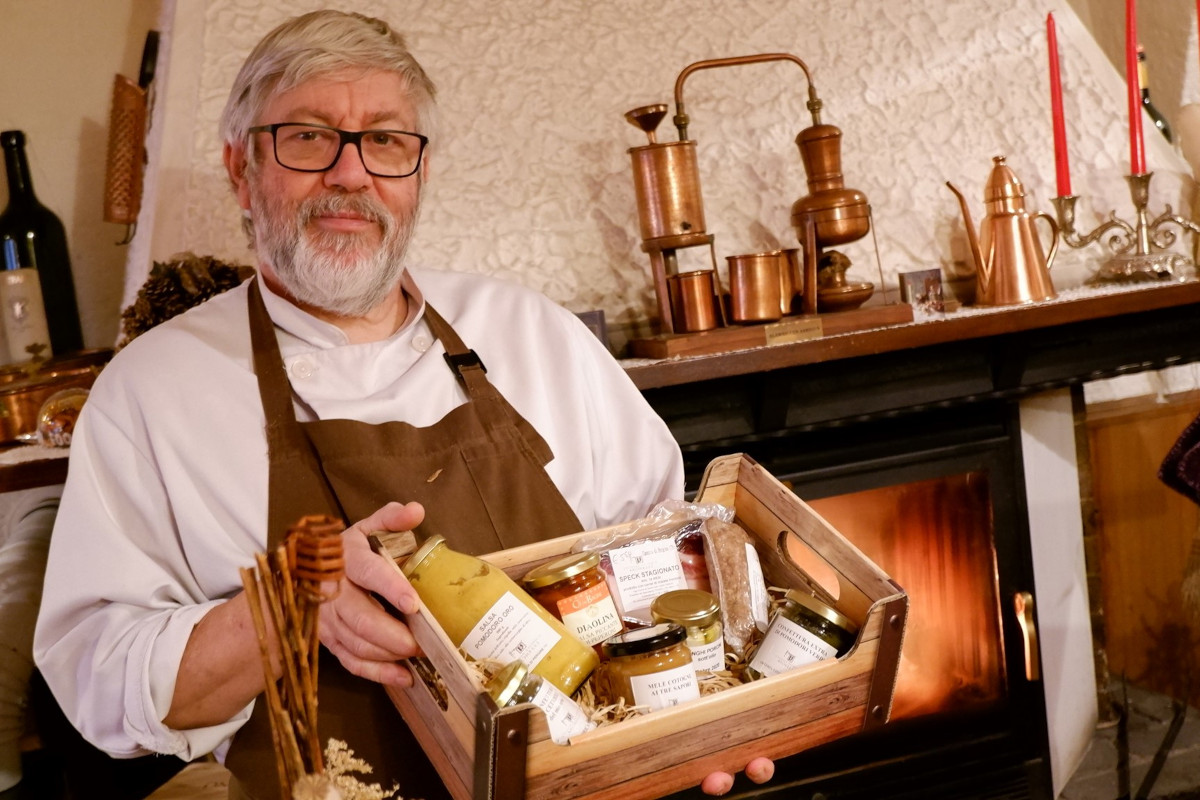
[515, 684]
[573, 588]
[490, 617]
[649, 667]
[700, 615]
[803, 630]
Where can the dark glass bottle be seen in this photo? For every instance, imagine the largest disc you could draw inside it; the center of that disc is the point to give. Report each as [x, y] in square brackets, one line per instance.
[1159, 120]
[32, 236]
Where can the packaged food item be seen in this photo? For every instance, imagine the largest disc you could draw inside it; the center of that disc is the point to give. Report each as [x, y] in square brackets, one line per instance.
[574, 589]
[803, 630]
[515, 684]
[489, 617]
[737, 580]
[649, 667]
[657, 554]
[700, 615]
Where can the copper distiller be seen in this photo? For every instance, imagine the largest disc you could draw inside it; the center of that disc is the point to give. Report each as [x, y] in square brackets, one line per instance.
[671, 213]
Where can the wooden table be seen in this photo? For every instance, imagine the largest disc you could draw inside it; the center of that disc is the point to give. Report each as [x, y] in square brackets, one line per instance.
[32, 474]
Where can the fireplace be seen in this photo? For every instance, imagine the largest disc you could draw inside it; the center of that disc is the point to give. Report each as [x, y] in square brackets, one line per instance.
[936, 501]
[909, 442]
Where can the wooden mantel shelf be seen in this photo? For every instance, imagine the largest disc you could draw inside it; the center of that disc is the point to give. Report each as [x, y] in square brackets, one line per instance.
[963, 358]
[955, 327]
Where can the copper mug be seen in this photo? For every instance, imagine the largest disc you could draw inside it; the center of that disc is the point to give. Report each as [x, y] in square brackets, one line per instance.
[693, 301]
[756, 287]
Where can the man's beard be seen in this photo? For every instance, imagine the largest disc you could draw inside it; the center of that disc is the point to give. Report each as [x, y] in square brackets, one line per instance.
[341, 273]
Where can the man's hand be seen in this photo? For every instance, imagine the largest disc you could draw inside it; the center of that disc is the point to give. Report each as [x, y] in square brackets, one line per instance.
[760, 770]
[366, 639]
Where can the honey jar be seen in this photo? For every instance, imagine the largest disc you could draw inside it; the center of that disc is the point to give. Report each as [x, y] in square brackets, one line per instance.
[515, 684]
[803, 630]
[649, 667]
[490, 617]
[700, 615]
[573, 589]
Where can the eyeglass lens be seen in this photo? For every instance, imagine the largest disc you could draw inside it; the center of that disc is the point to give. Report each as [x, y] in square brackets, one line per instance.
[385, 153]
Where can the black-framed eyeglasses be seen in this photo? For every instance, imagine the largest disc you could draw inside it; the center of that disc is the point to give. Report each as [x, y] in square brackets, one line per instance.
[305, 147]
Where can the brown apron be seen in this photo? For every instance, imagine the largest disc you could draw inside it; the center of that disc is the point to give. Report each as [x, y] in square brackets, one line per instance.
[479, 472]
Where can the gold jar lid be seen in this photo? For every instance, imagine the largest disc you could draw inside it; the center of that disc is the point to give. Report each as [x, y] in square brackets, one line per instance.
[688, 607]
[559, 569]
[821, 609]
[420, 554]
[505, 683]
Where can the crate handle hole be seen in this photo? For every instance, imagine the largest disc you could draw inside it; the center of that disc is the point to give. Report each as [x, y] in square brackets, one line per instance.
[811, 566]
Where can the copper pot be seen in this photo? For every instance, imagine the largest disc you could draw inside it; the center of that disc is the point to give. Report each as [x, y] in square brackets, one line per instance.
[21, 400]
[755, 286]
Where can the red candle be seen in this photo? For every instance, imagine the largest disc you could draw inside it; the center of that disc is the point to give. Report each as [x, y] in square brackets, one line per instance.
[1062, 166]
[1137, 147]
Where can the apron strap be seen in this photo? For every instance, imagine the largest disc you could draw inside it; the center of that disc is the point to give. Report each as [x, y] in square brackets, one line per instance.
[295, 466]
[471, 372]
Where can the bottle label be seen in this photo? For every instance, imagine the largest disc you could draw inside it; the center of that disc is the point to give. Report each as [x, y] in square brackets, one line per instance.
[644, 570]
[24, 314]
[788, 646]
[664, 689]
[510, 631]
[590, 615]
[564, 717]
[709, 657]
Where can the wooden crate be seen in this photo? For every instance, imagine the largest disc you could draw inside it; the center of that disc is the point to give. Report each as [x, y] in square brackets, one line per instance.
[483, 752]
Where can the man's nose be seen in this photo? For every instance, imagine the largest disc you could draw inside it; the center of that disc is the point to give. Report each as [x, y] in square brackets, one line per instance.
[348, 172]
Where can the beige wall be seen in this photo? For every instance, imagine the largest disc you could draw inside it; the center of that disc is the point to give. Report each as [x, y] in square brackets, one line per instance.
[57, 62]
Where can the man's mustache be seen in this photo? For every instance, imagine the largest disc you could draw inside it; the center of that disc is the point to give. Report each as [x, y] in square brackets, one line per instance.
[366, 207]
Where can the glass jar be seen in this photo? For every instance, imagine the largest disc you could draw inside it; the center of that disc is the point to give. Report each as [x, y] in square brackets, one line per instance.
[700, 615]
[489, 616]
[573, 589]
[649, 667]
[803, 630]
[515, 684]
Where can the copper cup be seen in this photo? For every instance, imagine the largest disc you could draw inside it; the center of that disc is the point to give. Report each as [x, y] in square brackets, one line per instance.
[693, 301]
[755, 287]
[791, 280]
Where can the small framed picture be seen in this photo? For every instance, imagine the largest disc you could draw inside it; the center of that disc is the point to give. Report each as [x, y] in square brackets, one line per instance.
[922, 289]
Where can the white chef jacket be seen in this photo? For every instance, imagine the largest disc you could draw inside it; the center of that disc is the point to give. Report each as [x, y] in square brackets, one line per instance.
[166, 495]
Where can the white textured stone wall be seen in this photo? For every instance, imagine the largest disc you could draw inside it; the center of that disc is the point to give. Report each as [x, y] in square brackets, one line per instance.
[531, 179]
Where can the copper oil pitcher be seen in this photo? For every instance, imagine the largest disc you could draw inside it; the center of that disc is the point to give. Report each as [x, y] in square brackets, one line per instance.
[1010, 268]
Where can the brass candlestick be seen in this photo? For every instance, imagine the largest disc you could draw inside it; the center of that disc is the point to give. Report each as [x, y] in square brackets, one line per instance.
[1139, 250]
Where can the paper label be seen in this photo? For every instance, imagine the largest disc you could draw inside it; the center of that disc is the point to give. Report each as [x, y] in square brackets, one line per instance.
[564, 717]
[591, 616]
[788, 646]
[665, 689]
[510, 631]
[24, 315]
[644, 570]
[759, 602]
[709, 657]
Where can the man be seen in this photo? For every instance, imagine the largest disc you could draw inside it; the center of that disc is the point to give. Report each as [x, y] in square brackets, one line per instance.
[332, 382]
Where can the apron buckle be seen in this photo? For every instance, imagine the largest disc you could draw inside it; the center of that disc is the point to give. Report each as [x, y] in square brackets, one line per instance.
[460, 361]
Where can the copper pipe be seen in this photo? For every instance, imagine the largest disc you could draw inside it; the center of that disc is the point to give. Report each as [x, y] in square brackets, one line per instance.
[681, 119]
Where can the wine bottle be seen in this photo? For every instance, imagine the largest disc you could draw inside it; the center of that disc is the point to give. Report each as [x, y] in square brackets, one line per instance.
[1156, 116]
[32, 238]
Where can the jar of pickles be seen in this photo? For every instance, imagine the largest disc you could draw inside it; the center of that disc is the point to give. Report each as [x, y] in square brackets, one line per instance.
[803, 630]
[488, 616]
[700, 615]
[515, 684]
[573, 588]
[649, 667]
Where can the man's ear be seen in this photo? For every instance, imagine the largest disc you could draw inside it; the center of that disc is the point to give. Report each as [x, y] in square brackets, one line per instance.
[235, 165]
[424, 168]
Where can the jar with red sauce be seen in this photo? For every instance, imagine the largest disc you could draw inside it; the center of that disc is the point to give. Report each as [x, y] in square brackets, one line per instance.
[573, 588]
